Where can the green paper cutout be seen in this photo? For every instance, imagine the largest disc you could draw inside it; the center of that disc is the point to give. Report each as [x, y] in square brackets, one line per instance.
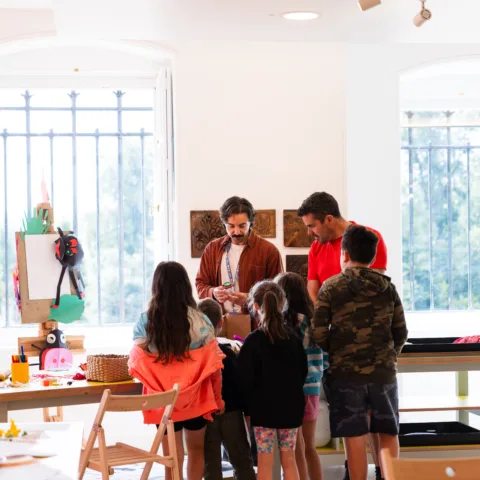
[35, 225]
[69, 310]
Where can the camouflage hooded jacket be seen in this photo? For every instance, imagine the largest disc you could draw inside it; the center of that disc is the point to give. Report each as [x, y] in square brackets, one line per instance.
[359, 321]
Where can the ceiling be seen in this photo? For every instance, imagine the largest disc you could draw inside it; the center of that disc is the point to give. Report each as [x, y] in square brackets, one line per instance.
[258, 20]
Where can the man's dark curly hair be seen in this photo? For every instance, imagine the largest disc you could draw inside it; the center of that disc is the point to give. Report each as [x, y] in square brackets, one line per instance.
[319, 204]
[234, 206]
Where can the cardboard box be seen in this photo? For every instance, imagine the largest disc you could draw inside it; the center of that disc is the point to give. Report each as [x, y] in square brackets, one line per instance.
[236, 324]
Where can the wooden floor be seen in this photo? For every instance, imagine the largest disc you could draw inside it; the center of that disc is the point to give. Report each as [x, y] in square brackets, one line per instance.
[133, 473]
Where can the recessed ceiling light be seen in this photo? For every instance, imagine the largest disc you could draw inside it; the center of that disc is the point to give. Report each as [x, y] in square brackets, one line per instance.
[300, 15]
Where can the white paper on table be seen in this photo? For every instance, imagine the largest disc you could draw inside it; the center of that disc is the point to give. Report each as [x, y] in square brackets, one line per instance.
[43, 269]
[36, 471]
[62, 440]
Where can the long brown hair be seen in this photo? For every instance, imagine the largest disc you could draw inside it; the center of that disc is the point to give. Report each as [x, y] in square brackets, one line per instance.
[269, 297]
[168, 324]
[298, 299]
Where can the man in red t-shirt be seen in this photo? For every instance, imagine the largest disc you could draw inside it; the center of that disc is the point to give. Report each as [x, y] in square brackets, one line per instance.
[321, 215]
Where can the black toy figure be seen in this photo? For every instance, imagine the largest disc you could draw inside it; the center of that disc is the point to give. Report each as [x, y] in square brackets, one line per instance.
[69, 253]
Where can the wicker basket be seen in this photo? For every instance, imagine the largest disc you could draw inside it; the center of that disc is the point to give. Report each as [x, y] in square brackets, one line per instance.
[107, 368]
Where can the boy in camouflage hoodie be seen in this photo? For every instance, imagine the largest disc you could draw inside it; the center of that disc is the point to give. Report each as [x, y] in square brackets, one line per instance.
[359, 321]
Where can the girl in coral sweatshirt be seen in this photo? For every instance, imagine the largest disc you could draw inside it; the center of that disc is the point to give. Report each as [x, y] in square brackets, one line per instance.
[175, 343]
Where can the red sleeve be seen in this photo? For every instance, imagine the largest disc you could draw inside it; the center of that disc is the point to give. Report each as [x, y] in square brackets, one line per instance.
[380, 262]
[312, 266]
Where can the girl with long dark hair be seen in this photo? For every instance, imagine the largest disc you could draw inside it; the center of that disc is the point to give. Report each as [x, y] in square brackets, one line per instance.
[175, 343]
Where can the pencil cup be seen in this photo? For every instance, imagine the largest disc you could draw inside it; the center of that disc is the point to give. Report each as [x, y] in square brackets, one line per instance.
[20, 372]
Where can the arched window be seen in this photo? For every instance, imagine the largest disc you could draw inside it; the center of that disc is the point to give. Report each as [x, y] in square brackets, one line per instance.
[440, 134]
[90, 134]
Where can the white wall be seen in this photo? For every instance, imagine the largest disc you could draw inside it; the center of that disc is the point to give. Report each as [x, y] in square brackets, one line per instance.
[372, 74]
[263, 121]
[373, 149]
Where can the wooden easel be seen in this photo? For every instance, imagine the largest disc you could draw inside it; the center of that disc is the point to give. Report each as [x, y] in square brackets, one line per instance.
[34, 310]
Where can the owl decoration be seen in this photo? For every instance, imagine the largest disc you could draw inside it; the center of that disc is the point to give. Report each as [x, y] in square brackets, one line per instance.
[55, 355]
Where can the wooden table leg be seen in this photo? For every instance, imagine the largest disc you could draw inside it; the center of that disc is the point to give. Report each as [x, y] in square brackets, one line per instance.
[461, 385]
[53, 418]
[3, 413]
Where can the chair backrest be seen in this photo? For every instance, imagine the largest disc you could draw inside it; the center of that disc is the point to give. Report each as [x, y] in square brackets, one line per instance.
[117, 403]
[135, 403]
[429, 469]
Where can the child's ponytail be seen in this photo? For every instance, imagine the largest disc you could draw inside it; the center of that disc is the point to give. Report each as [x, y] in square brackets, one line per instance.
[270, 298]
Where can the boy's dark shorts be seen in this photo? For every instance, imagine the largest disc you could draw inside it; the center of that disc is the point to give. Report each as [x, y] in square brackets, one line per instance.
[351, 402]
[194, 424]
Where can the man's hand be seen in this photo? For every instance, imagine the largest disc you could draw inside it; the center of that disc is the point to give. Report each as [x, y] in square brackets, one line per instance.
[238, 298]
[220, 294]
[220, 412]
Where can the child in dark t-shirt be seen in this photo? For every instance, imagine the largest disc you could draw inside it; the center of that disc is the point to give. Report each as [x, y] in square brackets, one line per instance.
[228, 428]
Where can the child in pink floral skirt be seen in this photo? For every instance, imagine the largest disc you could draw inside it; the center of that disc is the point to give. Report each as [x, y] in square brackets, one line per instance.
[272, 368]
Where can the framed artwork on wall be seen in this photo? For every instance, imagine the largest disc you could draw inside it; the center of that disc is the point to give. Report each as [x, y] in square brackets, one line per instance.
[295, 232]
[298, 264]
[266, 223]
[205, 226]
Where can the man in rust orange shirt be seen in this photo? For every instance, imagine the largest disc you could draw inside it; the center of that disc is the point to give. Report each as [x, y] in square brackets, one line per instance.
[240, 259]
[321, 215]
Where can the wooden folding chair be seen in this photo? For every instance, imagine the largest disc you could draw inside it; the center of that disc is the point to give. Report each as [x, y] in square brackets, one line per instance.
[429, 469]
[104, 458]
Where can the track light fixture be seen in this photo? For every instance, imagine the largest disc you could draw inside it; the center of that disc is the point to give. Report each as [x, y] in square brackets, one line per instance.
[367, 4]
[421, 17]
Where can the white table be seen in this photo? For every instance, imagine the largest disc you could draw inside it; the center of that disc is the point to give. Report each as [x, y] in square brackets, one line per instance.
[65, 439]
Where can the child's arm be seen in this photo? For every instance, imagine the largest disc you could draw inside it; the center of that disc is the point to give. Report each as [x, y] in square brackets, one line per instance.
[140, 330]
[303, 361]
[399, 325]
[217, 389]
[246, 367]
[322, 319]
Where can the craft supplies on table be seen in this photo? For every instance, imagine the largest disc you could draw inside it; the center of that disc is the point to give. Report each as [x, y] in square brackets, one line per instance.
[20, 368]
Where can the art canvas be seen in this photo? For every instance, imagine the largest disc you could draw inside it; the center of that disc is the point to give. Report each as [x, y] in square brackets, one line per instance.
[205, 226]
[295, 232]
[43, 269]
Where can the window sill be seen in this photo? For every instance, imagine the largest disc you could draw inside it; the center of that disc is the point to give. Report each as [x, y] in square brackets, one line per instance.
[118, 338]
[112, 339]
[442, 323]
